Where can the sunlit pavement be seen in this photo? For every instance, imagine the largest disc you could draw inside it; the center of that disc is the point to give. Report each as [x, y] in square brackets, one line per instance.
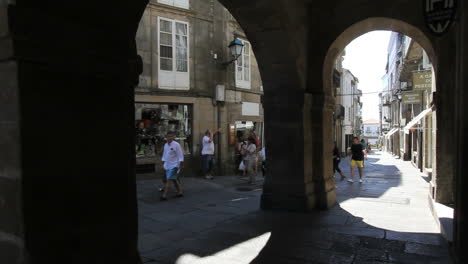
[385, 219]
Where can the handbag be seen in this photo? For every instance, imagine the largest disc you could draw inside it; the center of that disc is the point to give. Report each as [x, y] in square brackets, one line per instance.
[242, 166]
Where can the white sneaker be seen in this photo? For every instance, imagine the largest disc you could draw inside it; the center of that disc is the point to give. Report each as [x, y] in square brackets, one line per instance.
[351, 181]
[360, 181]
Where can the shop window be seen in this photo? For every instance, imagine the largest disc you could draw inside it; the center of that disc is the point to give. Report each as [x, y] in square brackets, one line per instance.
[177, 3]
[173, 55]
[153, 121]
[247, 128]
[243, 67]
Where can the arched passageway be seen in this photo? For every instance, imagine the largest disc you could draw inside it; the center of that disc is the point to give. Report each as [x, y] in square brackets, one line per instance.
[66, 67]
[444, 191]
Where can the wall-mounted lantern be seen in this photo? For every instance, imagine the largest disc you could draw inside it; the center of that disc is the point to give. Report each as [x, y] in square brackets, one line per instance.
[398, 95]
[235, 48]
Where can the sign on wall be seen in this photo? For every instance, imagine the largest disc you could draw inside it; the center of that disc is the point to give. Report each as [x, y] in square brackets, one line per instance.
[250, 109]
[411, 98]
[422, 81]
[439, 15]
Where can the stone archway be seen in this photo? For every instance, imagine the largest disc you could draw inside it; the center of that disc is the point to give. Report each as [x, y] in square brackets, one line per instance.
[338, 45]
[358, 29]
[277, 34]
[56, 47]
[368, 25]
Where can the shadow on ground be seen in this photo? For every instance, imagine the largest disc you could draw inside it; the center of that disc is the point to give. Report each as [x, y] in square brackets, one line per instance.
[219, 222]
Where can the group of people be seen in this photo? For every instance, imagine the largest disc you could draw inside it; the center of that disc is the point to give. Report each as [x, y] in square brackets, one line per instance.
[173, 159]
[249, 152]
[359, 150]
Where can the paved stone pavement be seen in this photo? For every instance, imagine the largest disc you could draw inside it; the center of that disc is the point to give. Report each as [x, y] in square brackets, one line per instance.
[383, 220]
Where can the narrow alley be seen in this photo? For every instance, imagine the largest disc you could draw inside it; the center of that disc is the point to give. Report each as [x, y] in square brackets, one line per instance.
[386, 219]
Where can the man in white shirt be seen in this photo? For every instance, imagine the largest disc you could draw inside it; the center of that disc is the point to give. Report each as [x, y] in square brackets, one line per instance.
[208, 153]
[173, 158]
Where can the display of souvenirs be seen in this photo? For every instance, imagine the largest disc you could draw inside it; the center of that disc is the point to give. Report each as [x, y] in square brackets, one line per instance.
[154, 121]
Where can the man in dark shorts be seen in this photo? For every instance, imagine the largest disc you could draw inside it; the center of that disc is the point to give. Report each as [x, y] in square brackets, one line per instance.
[357, 159]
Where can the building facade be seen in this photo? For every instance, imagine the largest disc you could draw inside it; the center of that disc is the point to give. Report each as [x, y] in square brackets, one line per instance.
[188, 86]
[350, 99]
[371, 131]
[408, 113]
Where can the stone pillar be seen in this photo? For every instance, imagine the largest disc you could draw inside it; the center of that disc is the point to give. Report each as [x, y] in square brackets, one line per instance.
[461, 208]
[76, 73]
[444, 169]
[11, 219]
[286, 186]
[318, 154]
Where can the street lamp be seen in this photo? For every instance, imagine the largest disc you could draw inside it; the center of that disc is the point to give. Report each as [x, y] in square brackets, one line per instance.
[235, 48]
[398, 95]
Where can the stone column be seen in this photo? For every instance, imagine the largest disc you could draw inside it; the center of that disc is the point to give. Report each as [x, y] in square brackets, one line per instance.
[76, 73]
[319, 153]
[444, 169]
[11, 217]
[286, 187]
[461, 208]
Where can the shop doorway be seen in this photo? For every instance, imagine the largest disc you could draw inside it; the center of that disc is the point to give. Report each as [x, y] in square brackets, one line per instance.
[152, 123]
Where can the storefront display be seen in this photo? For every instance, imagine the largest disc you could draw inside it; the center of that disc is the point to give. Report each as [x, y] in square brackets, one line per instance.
[153, 122]
[247, 128]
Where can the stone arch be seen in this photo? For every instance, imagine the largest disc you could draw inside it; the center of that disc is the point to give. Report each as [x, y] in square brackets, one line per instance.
[277, 32]
[321, 100]
[338, 45]
[368, 25]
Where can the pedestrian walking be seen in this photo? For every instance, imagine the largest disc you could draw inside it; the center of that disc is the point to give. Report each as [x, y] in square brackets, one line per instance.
[241, 151]
[173, 158]
[250, 151]
[257, 145]
[336, 161]
[208, 150]
[357, 158]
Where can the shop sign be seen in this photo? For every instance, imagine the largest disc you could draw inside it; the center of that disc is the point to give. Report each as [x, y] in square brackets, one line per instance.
[422, 81]
[439, 15]
[411, 98]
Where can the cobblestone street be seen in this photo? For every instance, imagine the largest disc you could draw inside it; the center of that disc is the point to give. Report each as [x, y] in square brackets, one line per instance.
[386, 219]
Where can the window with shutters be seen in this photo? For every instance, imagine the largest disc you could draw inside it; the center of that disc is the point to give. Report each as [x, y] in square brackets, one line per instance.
[177, 3]
[173, 55]
[243, 67]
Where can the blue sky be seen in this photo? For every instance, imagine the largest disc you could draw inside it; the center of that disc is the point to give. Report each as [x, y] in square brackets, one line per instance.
[366, 58]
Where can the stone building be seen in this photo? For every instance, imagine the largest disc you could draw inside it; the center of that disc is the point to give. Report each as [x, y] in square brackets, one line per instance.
[187, 86]
[339, 113]
[416, 75]
[413, 96]
[371, 131]
[62, 66]
[385, 98]
[350, 99]
[406, 102]
[391, 104]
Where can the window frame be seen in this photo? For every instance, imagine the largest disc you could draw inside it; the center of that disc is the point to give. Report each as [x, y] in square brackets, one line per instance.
[242, 83]
[174, 46]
